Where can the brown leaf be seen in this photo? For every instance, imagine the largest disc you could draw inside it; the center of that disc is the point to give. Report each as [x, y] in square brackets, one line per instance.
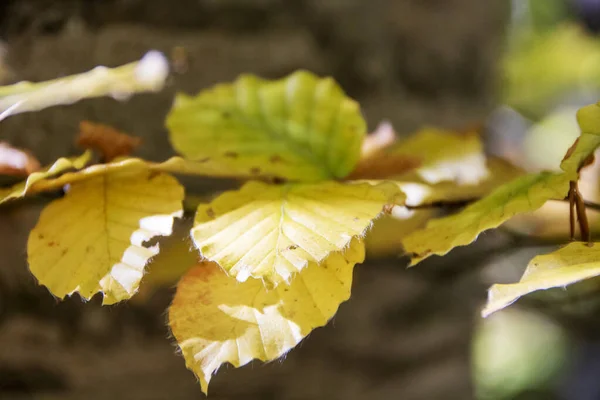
[108, 141]
[17, 162]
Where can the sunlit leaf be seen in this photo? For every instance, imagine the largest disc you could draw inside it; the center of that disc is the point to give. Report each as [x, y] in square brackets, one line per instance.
[93, 239]
[216, 319]
[444, 156]
[148, 74]
[273, 231]
[570, 264]
[588, 118]
[174, 165]
[420, 193]
[32, 184]
[524, 194]
[298, 128]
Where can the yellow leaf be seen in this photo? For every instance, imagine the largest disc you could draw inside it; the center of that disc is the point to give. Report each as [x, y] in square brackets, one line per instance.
[297, 128]
[272, 231]
[34, 180]
[216, 319]
[419, 193]
[584, 147]
[174, 165]
[147, 75]
[444, 156]
[177, 255]
[385, 238]
[524, 194]
[573, 263]
[92, 240]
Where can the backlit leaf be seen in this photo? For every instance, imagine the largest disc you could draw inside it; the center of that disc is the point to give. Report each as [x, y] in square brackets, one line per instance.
[174, 165]
[34, 180]
[419, 193]
[524, 194]
[216, 319]
[588, 118]
[444, 156]
[92, 240]
[148, 74]
[273, 231]
[298, 128]
[573, 263]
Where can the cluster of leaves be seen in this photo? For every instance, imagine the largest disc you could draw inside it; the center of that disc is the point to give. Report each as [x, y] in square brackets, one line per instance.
[274, 259]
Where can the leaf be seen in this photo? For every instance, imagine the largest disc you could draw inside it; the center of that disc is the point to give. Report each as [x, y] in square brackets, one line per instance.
[92, 240]
[579, 154]
[17, 162]
[173, 164]
[524, 194]
[36, 178]
[570, 264]
[297, 128]
[216, 320]
[273, 231]
[385, 238]
[441, 156]
[539, 69]
[177, 255]
[148, 74]
[108, 141]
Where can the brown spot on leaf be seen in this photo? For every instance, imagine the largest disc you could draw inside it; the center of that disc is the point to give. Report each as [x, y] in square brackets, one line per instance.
[51, 244]
[210, 212]
[291, 247]
[388, 208]
[231, 154]
[203, 160]
[65, 251]
[255, 171]
[40, 236]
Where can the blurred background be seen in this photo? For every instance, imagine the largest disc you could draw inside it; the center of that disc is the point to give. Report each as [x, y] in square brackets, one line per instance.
[517, 68]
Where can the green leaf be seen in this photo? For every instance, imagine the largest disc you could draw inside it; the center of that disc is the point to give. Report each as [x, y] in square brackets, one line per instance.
[540, 69]
[570, 264]
[271, 232]
[297, 128]
[216, 319]
[588, 119]
[93, 239]
[148, 74]
[524, 194]
[34, 182]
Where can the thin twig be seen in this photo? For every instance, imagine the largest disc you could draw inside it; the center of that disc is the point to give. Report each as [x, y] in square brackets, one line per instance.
[571, 199]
